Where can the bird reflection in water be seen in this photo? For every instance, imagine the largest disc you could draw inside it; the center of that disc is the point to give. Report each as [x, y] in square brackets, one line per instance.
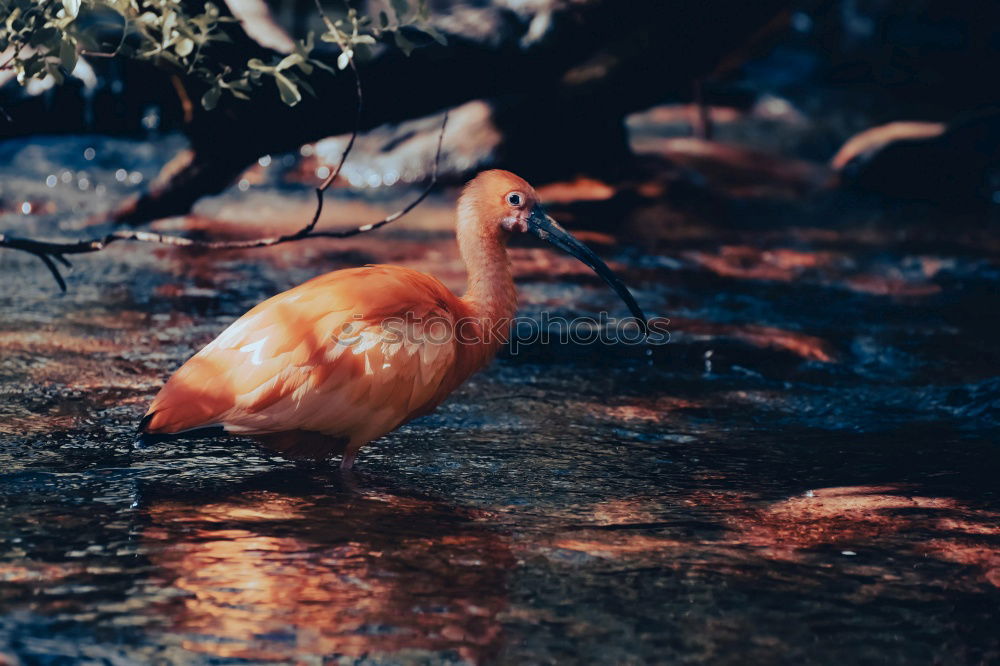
[274, 574]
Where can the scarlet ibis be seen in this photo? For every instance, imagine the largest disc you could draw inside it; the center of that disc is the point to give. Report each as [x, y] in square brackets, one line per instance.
[347, 357]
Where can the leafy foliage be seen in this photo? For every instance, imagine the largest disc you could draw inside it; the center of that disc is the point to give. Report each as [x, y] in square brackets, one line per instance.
[42, 38]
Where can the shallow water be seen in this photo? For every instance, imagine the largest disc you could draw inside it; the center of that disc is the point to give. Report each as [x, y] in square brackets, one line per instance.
[806, 473]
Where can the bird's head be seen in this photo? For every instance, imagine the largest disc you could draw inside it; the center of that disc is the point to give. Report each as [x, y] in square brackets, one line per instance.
[497, 204]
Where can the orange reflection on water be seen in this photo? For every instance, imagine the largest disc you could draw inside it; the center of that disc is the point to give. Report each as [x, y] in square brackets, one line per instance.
[805, 346]
[751, 263]
[270, 576]
[816, 524]
[643, 409]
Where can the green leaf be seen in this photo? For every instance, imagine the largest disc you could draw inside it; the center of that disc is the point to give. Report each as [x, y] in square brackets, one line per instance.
[258, 64]
[432, 33]
[177, 35]
[46, 38]
[67, 55]
[308, 88]
[323, 66]
[290, 94]
[166, 56]
[401, 8]
[242, 85]
[12, 18]
[211, 97]
[184, 47]
[289, 61]
[404, 44]
[72, 7]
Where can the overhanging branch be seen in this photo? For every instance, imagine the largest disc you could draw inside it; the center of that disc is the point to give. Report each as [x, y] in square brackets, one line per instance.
[51, 252]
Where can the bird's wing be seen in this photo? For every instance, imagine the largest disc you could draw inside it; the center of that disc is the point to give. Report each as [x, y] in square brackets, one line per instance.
[351, 353]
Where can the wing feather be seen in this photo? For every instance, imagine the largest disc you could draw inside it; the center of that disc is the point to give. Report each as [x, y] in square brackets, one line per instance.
[321, 357]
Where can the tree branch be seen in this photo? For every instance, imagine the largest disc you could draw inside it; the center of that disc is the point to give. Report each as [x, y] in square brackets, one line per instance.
[350, 145]
[47, 251]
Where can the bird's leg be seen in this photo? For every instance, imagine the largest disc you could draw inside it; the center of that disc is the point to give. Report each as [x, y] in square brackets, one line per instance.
[350, 452]
[347, 462]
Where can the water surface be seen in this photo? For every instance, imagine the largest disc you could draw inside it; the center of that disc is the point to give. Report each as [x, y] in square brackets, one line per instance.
[806, 473]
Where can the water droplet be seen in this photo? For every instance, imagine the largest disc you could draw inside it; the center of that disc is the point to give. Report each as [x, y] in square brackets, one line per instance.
[264, 161]
[99, 190]
[83, 183]
[307, 150]
[121, 175]
[66, 176]
[151, 118]
[374, 179]
[89, 154]
[244, 185]
[51, 180]
[135, 178]
[802, 22]
[391, 177]
[777, 106]
[323, 172]
[26, 208]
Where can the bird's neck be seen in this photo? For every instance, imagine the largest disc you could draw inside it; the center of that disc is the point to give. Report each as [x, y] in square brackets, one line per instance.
[490, 294]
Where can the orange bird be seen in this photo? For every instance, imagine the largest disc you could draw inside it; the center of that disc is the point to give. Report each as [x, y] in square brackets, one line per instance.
[347, 357]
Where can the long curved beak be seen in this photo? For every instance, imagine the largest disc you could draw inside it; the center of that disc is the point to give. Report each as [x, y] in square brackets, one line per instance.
[549, 231]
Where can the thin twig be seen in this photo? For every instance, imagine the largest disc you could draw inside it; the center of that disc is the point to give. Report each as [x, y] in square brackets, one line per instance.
[98, 54]
[13, 56]
[347, 149]
[47, 251]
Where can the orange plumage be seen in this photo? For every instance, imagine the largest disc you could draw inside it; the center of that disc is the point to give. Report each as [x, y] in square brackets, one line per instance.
[346, 357]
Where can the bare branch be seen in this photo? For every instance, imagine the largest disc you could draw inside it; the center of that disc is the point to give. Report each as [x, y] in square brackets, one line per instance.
[347, 149]
[47, 251]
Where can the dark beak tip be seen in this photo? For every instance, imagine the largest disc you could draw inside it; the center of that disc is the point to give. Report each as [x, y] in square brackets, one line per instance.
[548, 230]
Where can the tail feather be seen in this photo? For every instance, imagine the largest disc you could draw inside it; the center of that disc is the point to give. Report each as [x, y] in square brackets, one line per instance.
[144, 438]
[144, 423]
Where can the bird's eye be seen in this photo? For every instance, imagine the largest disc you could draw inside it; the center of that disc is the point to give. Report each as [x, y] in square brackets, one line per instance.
[515, 199]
